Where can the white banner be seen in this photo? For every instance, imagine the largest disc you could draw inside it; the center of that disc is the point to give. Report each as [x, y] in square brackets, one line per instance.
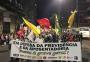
[67, 51]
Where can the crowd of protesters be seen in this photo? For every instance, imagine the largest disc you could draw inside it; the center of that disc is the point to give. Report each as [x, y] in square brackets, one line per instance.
[4, 39]
[45, 37]
[70, 37]
[48, 37]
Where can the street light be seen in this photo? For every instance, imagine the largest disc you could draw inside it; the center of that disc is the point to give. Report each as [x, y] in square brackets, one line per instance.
[58, 1]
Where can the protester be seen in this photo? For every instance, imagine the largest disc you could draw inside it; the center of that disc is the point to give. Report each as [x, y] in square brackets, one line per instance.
[7, 39]
[80, 37]
[2, 39]
[31, 36]
[64, 37]
[70, 37]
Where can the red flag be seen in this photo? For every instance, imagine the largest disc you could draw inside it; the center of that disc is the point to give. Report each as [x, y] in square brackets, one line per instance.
[44, 22]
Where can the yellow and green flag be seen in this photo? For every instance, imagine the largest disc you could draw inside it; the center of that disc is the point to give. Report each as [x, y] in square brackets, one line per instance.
[58, 28]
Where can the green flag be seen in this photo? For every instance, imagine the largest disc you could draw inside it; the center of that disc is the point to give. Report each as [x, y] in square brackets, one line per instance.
[58, 28]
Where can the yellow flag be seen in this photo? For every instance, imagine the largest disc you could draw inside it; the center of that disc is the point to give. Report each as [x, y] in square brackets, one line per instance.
[71, 19]
[35, 30]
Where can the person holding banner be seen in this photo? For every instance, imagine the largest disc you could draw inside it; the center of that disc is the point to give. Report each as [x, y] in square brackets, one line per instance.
[31, 36]
[39, 39]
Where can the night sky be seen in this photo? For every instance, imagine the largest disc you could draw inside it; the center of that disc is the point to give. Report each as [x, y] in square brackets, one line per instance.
[45, 8]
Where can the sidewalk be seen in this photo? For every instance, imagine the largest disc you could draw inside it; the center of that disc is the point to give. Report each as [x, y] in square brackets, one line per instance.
[86, 50]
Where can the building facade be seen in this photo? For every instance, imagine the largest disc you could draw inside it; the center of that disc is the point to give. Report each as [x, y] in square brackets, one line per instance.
[7, 21]
[83, 15]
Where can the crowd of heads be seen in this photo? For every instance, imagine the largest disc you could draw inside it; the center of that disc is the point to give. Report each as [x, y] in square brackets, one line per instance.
[5, 38]
[46, 36]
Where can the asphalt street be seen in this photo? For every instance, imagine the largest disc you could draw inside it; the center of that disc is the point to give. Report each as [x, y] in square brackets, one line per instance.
[4, 54]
